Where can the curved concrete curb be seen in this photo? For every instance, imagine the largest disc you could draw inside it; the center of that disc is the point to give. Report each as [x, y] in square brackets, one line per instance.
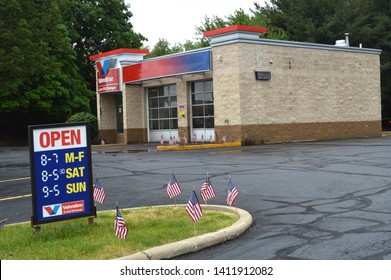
[200, 242]
[198, 147]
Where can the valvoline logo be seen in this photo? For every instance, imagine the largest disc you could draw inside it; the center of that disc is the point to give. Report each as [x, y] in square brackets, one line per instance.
[105, 65]
[51, 210]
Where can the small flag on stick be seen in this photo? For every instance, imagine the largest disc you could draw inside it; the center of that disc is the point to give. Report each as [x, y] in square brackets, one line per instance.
[121, 230]
[173, 188]
[99, 192]
[207, 191]
[193, 207]
[232, 192]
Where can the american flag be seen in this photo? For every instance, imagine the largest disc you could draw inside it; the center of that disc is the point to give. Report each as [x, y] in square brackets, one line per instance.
[173, 188]
[193, 207]
[207, 191]
[232, 192]
[121, 230]
[99, 192]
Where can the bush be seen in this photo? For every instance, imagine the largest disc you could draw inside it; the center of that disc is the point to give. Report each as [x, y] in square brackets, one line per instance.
[86, 117]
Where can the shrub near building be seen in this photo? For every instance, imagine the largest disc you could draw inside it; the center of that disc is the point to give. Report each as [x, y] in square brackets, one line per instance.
[87, 117]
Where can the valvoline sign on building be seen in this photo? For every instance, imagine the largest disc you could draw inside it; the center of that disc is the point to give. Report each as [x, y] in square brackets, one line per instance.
[61, 172]
[108, 76]
[109, 82]
[109, 67]
[132, 67]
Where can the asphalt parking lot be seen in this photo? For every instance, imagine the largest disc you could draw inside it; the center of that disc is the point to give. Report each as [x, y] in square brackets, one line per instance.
[311, 200]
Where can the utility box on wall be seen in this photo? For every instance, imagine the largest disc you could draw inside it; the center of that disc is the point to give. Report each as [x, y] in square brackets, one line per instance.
[263, 75]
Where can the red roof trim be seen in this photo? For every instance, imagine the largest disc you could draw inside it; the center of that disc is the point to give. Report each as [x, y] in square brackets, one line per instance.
[118, 51]
[235, 28]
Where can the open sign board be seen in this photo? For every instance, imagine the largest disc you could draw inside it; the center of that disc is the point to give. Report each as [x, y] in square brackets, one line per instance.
[61, 172]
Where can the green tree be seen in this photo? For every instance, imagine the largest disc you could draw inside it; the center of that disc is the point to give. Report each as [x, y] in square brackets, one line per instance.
[87, 117]
[320, 21]
[256, 17]
[39, 80]
[215, 22]
[162, 47]
[45, 45]
[190, 45]
[97, 26]
[323, 21]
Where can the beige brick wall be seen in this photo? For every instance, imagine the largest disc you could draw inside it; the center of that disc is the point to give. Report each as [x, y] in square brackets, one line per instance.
[307, 86]
[133, 100]
[106, 117]
[226, 85]
[135, 129]
[106, 111]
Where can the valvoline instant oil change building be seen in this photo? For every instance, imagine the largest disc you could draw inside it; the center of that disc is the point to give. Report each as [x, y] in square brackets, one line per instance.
[242, 88]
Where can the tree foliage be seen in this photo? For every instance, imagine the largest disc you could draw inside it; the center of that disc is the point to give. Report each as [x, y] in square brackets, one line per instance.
[97, 26]
[45, 71]
[323, 21]
[257, 17]
[162, 47]
[39, 80]
[86, 117]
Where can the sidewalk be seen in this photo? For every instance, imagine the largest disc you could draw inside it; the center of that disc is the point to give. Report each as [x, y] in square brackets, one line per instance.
[150, 147]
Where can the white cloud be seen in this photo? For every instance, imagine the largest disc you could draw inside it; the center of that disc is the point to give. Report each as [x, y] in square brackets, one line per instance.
[176, 20]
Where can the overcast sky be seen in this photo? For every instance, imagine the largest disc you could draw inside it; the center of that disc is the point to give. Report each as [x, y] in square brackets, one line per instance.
[175, 20]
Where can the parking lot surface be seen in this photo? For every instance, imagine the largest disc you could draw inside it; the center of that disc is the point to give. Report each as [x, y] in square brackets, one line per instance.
[311, 200]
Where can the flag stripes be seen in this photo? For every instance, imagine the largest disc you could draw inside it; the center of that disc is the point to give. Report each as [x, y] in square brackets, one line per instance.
[207, 191]
[193, 207]
[99, 192]
[121, 230]
[232, 192]
[173, 188]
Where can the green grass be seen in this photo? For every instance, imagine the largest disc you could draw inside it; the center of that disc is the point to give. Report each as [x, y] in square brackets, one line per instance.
[77, 240]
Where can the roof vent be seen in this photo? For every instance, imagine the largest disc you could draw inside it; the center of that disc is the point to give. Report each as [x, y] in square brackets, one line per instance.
[343, 43]
[347, 39]
[340, 43]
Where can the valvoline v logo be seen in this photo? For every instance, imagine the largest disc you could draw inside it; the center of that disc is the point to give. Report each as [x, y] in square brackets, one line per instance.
[105, 65]
[51, 210]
